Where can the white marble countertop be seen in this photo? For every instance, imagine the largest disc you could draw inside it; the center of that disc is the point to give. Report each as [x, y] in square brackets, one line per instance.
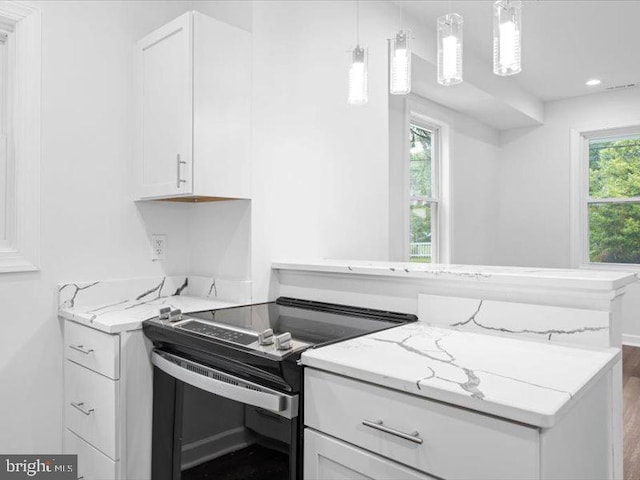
[523, 381]
[530, 276]
[129, 315]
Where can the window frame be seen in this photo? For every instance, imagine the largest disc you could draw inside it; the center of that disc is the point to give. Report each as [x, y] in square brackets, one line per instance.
[582, 200]
[435, 200]
[21, 250]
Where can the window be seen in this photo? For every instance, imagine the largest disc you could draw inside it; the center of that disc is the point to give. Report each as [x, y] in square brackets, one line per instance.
[20, 81]
[423, 192]
[611, 215]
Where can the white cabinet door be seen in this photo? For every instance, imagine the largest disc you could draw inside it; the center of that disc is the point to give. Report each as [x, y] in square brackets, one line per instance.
[326, 458]
[92, 464]
[165, 110]
[91, 408]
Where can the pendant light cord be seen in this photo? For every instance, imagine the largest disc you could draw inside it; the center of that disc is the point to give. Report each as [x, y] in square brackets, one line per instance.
[358, 23]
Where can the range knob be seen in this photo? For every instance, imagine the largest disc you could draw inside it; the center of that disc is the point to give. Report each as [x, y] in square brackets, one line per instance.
[265, 337]
[283, 341]
[170, 314]
[164, 313]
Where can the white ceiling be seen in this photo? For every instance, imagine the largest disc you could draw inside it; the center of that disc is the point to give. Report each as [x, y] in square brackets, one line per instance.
[564, 43]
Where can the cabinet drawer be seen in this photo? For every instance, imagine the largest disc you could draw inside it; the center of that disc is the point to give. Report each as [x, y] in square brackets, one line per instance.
[92, 465]
[327, 458]
[90, 408]
[92, 348]
[450, 442]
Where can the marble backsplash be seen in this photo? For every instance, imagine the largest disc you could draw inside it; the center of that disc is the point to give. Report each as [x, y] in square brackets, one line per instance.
[543, 323]
[113, 292]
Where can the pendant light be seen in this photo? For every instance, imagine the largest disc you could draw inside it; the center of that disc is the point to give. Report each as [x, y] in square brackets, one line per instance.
[358, 70]
[450, 49]
[400, 63]
[507, 39]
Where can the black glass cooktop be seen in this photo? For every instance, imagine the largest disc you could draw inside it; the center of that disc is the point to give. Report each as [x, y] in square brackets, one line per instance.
[310, 322]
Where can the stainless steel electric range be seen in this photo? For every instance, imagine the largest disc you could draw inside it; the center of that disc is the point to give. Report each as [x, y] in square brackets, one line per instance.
[228, 385]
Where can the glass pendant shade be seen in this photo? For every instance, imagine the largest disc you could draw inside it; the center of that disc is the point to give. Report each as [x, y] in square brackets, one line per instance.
[358, 77]
[450, 49]
[507, 22]
[400, 64]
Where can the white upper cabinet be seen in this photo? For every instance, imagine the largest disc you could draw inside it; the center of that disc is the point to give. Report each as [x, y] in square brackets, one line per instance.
[193, 125]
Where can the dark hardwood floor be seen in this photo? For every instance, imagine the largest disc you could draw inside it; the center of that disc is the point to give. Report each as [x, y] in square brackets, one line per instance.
[631, 382]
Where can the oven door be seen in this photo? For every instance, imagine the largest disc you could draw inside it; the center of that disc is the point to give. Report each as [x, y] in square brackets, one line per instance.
[210, 424]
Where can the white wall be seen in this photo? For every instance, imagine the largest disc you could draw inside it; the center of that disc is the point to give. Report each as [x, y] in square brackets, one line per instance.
[90, 227]
[219, 239]
[535, 179]
[322, 183]
[320, 165]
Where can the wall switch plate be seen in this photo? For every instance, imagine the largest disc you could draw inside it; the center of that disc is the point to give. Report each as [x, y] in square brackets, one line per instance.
[158, 247]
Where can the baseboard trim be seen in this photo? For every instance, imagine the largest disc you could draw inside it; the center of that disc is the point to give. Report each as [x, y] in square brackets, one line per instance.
[631, 340]
[200, 451]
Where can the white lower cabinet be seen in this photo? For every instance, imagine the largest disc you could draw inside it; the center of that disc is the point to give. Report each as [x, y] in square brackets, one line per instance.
[107, 403]
[356, 430]
[326, 458]
[92, 464]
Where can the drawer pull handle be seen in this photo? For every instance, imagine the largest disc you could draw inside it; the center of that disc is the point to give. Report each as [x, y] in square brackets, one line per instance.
[81, 349]
[412, 437]
[80, 406]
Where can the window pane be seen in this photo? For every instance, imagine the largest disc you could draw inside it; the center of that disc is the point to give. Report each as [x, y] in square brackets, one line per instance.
[614, 167]
[614, 232]
[420, 162]
[420, 236]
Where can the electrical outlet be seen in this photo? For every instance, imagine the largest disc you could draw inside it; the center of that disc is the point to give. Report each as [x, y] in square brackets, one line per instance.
[158, 247]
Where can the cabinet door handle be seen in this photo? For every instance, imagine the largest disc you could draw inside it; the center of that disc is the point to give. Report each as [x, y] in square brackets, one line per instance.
[80, 406]
[81, 349]
[412, 437]
[178, 163]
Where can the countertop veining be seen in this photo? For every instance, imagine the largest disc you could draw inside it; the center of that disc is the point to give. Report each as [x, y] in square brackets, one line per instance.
[115, 306]
[524, 381]
[129, 315]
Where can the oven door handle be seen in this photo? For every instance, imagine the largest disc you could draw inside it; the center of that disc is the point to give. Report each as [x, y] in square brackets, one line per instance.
[284, 405]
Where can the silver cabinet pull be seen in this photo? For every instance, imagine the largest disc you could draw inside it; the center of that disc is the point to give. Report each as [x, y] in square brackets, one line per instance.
[80, 406]
[412, 437]
[179, 180]
[81, 349]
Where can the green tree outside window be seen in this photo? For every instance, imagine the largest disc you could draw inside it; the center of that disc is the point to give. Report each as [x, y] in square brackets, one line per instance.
[614, 173]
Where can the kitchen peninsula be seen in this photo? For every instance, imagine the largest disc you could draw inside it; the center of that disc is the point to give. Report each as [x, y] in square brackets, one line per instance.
[550, 330]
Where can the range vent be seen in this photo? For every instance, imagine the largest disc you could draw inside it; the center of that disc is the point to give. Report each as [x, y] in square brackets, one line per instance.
[207, 372]
[620, 87]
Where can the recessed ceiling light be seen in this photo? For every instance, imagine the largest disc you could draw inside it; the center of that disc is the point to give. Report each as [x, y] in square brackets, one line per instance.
[593, 82]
